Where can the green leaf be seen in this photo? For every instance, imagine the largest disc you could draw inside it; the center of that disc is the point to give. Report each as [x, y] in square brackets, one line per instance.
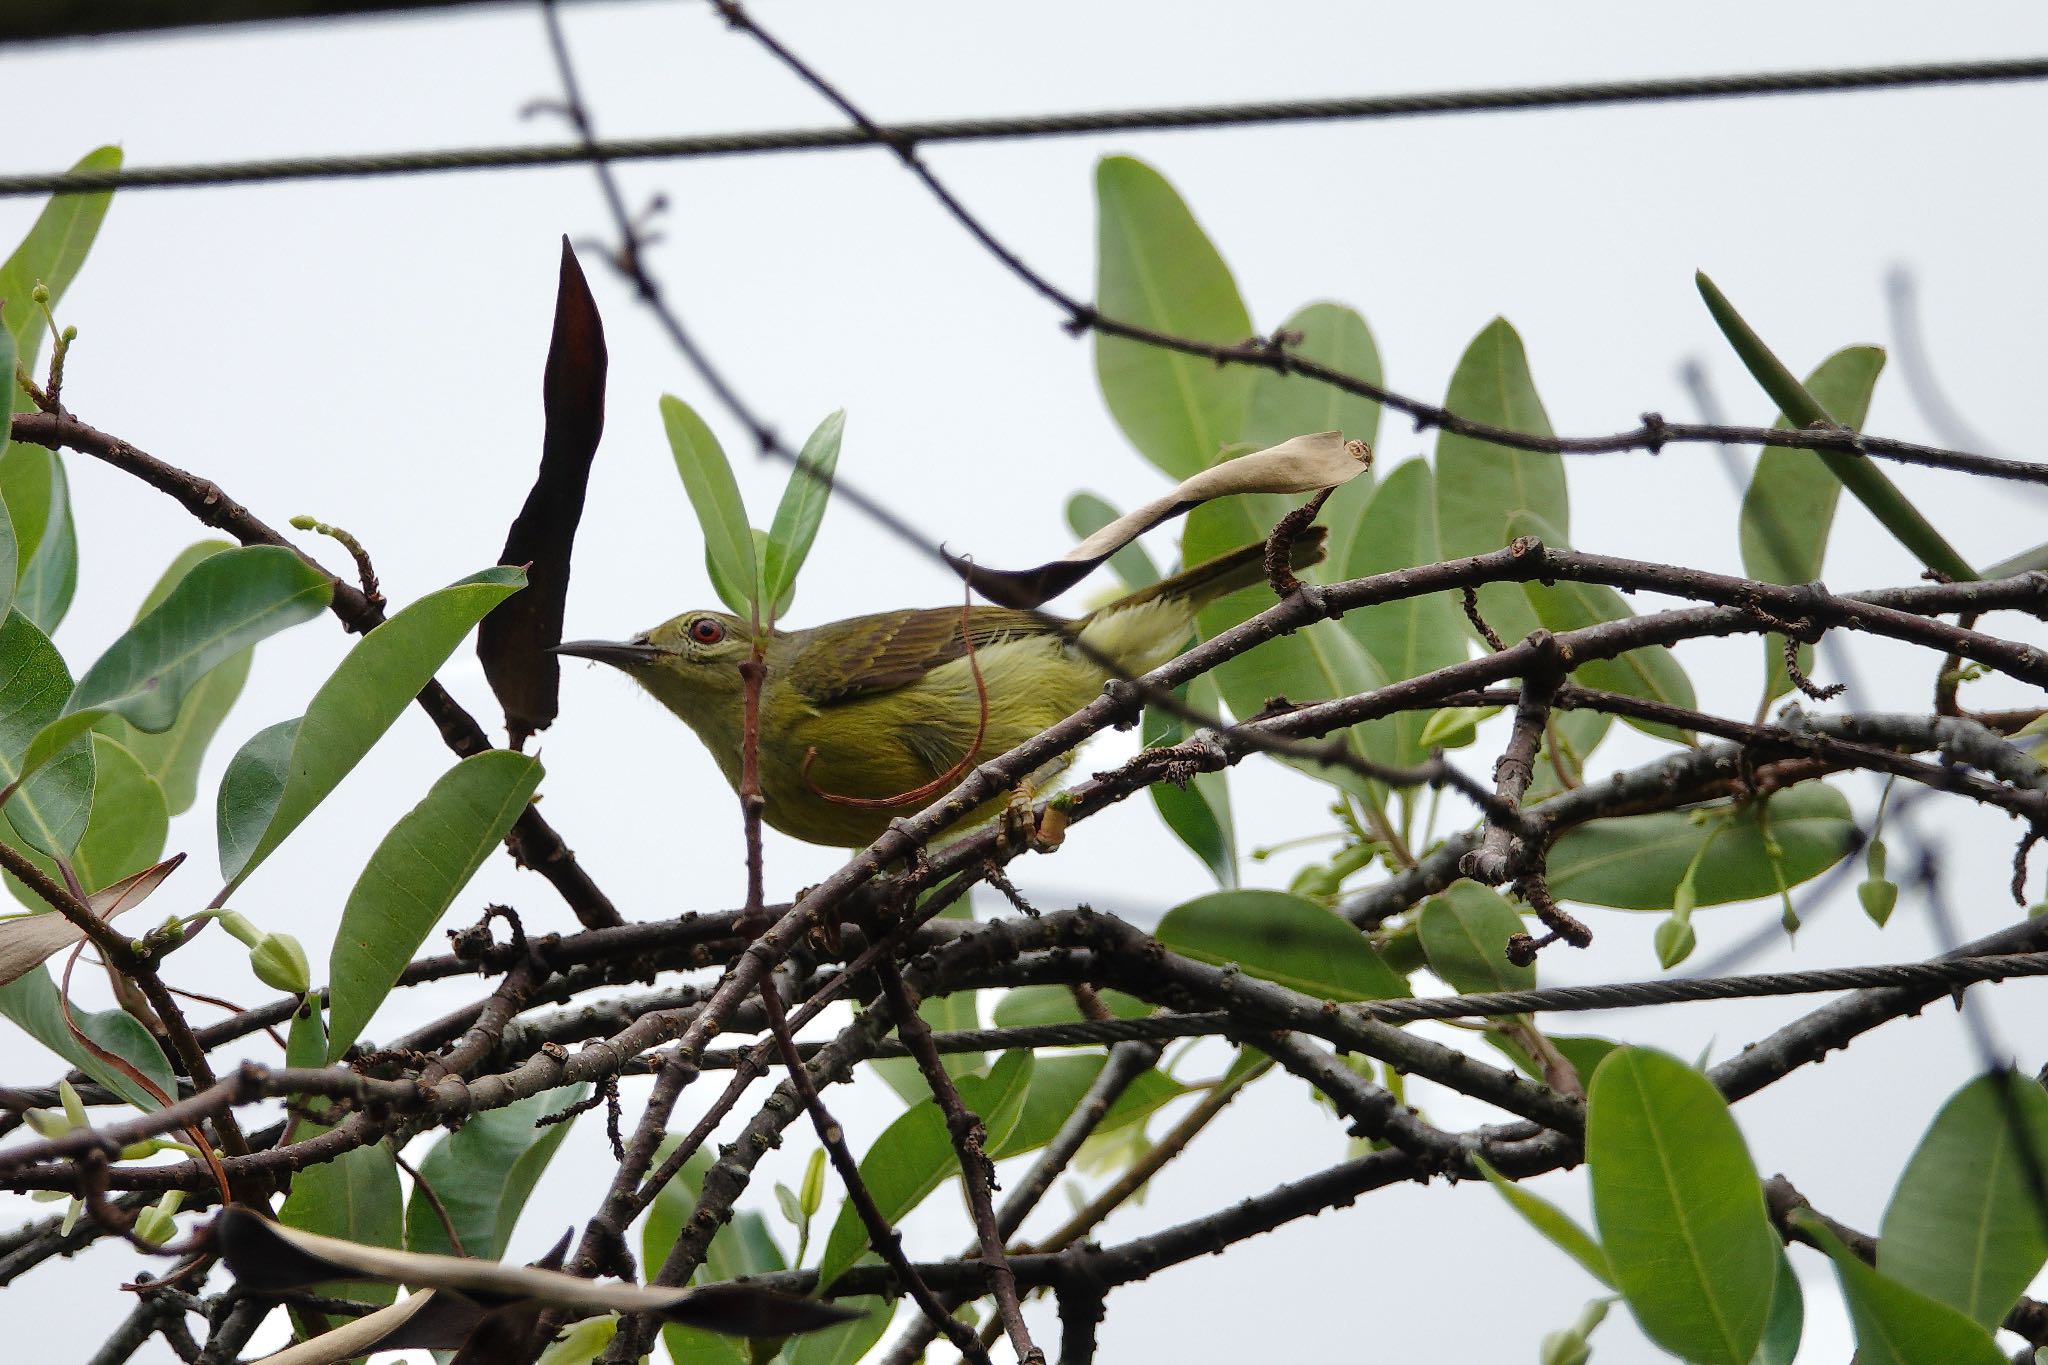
[9, 552]
[306, 1044]
[1199, 813]
[1789, 506]
[483, 1173]
[944, 1013]
[580, 1342]
[50, 810]
[31, 1001]
[1871, 486]
[225, 604]
[998, 1097]
[370, 689]
[1679, 1207]
[37, 493]
[50, 255]
[707, 478]
[1635, 862]
[1965, 1225]
[1026, 1006]
[914, 1155]
[1481, 487]
[1896, 1325]
[174, 755]
[354, 1197]
[124, 833]
[1556, 1226]
[1787, 1323]
[1465, 933]
[845, 1344]
[801, 509]
[1058, 1085]
[744, 1246]
[1281, 938]
[413, 877]
[1087, 514]
[1396, 529]
[1156, 269]
[1283, 406]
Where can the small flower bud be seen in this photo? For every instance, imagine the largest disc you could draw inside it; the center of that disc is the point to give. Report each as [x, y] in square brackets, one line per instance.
[47, 1122]
[1565, 1347]
[41, 293]
[74, 1108]
[1675, 941]
[280, 963]
[1878, 897]
[239, 926]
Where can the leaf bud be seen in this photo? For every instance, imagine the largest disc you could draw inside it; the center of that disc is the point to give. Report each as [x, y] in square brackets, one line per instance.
[280, 963]
[1675, 941]
[1878, 897]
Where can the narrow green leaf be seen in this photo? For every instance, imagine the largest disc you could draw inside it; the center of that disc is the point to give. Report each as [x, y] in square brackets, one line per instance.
[801, 509]
[9, 552]
[1282, 406]
[1789, 507]
[355, 1197]
[1281, 938]
[1396, 529]
[845, 1344]
[1058, 1084]
[413, 877]
[249, 790]
[1025, 1006]
[1896, 1325]
[1871, 486]
[1556, 1226]
[1199, 813]
[944, 1013]
[1635, 862]
[49, 812]
[306, 1044]
[1465, 933]
[914, 1155]
[174, 755]
[483, 1173]
[356, 704]
[129, 820]
[744, 1246]
[31, 1001]
[707, 478]
[1679, 1207]
[50, 255]
[32, 482]
[1965, 1225]
[1155, 268]
[225, 604]
[1787, 1324]
[1087, 514]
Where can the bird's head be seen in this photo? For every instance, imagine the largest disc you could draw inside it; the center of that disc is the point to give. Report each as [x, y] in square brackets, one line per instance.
[690, 663]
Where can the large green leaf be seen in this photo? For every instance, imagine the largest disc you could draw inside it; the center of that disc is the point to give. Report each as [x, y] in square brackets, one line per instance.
[484, 1171]
[124, 833]
[729, 549]
[1787, 1324]
[914, 1155]
[354, 1197]
[225, 604]
[1635, 862]
[1397, 529]
[1028, 1006]
[1155, 268]
[49, 812]
[1679, 1207]
[414, 876]
[1896, 1325]
[1058, 1085]
[1283, 406]
[1465, 932]
[744, 1246]
[1789, 507]
[802, 508]
[1198, 813]
[954, 1011]
[31, 1001]
[356, 704]
[1965, 1225]
[1556, 1226]
[1281, 938]
[173, 756]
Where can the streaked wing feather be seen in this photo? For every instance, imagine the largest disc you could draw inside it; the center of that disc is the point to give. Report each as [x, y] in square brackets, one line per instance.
[880, 653]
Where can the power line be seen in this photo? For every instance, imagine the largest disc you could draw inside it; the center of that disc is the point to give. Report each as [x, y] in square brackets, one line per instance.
[1365, 108]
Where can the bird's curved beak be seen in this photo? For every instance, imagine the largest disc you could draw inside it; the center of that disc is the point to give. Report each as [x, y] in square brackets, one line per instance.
[617, 653]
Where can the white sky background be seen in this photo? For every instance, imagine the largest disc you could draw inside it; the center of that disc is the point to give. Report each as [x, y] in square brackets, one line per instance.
[369, 352]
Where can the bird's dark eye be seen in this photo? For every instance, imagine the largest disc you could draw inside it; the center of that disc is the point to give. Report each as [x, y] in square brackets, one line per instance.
[706, 631]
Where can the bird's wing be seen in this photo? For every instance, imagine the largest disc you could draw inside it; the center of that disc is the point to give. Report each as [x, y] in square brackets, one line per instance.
[879, 653]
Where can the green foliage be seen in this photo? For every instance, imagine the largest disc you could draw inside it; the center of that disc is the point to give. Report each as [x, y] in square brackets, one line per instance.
[1679, 1207]
[354, 1197]
[415, 875]
[483, 1173]
[33, 1004]
[1465, 933]
[1896, 1325]
[729, 550]
[1284, 939]
[798, 514]
[1556, 1226]
[48, 812]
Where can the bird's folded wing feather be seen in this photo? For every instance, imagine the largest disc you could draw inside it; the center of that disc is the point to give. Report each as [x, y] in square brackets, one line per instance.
[870, 654]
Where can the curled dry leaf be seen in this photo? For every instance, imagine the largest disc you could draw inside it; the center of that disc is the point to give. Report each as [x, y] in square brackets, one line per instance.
[266, 1256]
[27, 941]
[1302, 464]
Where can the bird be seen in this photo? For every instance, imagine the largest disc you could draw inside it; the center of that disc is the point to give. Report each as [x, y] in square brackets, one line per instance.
[871, 718]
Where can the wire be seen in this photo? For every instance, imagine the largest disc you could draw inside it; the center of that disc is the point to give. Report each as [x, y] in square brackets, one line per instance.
[1516, 98]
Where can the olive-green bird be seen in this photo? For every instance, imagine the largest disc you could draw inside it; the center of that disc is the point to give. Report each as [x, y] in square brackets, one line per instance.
[860, 717]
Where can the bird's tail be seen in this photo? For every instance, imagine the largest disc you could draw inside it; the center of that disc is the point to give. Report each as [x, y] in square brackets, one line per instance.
[1146, 628]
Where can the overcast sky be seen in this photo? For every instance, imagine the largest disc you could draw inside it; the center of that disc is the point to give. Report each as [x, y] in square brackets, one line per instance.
[369, 352]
